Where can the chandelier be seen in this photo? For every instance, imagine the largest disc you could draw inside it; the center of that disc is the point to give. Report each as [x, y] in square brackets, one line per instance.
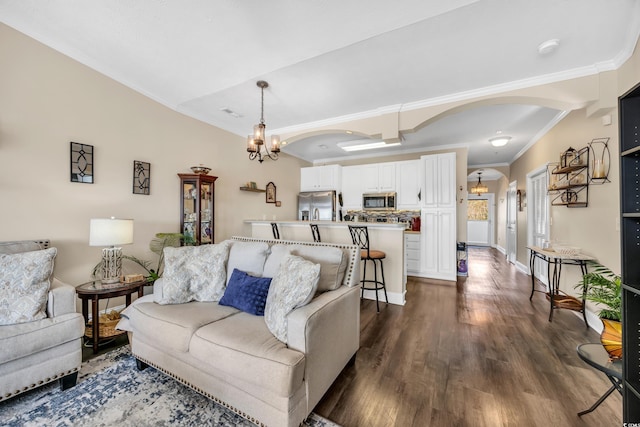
[479, 188]
[255, 142]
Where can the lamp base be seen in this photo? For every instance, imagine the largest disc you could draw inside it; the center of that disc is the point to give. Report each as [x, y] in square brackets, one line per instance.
[111, 265]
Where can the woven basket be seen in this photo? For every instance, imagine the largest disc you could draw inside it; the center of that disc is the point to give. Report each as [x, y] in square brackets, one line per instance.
[106, 328]
[566, 301]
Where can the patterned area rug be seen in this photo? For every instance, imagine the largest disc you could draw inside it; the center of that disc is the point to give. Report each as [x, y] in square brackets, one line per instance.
[112, 392]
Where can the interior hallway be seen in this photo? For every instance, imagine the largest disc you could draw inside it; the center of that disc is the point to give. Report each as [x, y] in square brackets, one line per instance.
[476, 354]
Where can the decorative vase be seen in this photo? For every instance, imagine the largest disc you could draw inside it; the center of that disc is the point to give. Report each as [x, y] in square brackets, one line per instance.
[611, 338]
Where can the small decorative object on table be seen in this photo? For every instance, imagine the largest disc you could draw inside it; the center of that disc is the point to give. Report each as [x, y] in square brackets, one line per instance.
[201, 170]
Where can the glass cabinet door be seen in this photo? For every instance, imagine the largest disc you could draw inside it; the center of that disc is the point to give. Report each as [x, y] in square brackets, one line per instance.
[197, 221]
[206, 212]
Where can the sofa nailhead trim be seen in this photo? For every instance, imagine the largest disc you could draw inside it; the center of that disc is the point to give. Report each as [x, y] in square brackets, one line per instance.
[202, 392]
[38, 384]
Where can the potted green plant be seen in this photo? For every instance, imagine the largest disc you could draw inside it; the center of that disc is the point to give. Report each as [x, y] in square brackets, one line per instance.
[603, 287]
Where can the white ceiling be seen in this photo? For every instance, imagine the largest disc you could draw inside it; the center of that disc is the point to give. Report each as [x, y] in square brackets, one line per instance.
[327, 59]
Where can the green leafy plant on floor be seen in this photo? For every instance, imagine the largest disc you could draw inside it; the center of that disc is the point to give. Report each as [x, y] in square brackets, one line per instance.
[156, 245]
[603, 287]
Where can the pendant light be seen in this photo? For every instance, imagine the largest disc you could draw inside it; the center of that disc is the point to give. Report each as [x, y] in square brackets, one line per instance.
[255, 142]
[479, 188]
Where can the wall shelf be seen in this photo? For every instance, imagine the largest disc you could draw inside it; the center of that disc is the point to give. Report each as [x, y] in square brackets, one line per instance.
[253, 190]
[570, 182]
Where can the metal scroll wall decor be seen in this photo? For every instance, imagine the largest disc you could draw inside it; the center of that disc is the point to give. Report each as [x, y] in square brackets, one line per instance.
[81, 163]
[141, 177]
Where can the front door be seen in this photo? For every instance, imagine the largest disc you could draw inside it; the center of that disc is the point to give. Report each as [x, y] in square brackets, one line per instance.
[480, 210]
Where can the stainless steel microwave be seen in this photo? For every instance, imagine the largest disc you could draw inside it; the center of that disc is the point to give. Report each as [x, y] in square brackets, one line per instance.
[379, 201]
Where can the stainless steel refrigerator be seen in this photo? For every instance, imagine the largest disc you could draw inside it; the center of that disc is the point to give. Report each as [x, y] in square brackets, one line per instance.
[317, 206]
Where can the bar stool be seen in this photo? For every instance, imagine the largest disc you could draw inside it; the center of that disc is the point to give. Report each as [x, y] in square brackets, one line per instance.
[315, 232]
[276, 232]
[360, 237]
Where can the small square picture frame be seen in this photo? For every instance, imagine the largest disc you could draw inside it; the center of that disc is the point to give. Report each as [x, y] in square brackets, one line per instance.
[141, 177]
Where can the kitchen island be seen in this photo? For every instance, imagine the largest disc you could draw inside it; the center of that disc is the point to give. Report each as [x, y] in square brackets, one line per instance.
[386, 237]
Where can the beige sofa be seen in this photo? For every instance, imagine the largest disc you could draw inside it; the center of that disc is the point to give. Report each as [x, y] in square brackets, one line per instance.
[231, 356]
[37, 352]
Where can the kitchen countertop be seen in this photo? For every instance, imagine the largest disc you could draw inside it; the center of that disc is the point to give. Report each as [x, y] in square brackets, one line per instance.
[392, 225]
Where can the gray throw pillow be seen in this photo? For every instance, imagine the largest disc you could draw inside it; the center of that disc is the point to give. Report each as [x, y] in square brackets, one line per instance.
[292, 286]
[24, 284]
[194, 273]
[333, 264]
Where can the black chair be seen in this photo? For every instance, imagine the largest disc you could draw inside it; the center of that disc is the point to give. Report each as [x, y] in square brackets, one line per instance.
[360, 237]
[315, 231]
[276, 232]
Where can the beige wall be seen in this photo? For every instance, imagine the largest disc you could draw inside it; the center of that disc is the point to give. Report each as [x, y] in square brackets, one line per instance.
[594, 229]
[49, 100]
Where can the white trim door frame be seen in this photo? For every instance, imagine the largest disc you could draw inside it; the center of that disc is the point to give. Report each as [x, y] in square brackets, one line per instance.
[539, 217]
[512, 223]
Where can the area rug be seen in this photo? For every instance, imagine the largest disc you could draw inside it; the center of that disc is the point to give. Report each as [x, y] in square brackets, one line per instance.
[112, 392]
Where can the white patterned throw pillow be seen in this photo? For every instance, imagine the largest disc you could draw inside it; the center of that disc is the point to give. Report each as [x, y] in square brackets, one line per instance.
[293, 285]
[24, 284]
[194, 273]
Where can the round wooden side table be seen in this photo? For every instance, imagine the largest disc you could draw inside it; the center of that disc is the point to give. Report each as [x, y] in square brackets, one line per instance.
[95, 291]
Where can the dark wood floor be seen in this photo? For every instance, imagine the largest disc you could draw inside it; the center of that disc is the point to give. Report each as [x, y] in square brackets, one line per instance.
[476, 354]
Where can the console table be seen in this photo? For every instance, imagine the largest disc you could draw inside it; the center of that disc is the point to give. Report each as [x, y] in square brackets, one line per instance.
[555, 261]
[596, 356]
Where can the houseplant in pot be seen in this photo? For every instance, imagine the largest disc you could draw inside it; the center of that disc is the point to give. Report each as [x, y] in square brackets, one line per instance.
[603, 287]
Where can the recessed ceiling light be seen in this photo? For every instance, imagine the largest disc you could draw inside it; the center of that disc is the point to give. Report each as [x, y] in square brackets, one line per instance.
[360, 145]
[548, 46]
[499, 141]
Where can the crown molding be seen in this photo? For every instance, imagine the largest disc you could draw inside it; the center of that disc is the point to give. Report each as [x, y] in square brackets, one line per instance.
[561, 115]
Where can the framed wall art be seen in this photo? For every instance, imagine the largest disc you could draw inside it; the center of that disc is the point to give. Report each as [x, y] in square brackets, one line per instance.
[271, 193]
[141, 177]
[81, 162]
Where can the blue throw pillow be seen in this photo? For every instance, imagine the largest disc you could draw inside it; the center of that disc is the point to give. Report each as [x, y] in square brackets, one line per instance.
[246, 293]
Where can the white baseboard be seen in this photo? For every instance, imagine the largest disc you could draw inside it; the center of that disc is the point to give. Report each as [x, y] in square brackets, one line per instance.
[502, 250]
[394, 297]
[523, 268]
[593, 320]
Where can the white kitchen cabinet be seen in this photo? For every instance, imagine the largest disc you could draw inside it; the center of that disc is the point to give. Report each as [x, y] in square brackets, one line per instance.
[439, 181]
[438, 244]
[408, 184]
[320, 178]
[412, 243]
[351, 188]
[379, 177]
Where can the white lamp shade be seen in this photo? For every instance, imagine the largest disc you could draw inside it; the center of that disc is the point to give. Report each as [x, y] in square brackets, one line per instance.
[110, 232]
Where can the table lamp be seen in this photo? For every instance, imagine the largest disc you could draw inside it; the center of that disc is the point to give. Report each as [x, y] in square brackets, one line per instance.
[111, 232]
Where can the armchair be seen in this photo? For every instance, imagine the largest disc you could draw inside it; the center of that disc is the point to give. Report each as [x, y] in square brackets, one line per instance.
[37, 352]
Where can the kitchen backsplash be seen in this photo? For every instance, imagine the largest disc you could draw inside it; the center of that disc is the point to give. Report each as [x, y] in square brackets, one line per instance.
[393, 216]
